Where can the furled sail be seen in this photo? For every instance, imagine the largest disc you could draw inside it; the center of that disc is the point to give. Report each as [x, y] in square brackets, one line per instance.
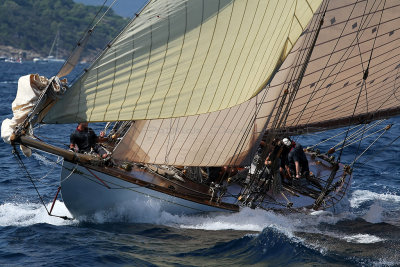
[186, 57]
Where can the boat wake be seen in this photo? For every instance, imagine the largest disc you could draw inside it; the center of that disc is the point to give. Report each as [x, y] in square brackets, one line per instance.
[321, 236]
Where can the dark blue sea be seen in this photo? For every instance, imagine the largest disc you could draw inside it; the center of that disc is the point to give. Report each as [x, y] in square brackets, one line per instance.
[365, 231]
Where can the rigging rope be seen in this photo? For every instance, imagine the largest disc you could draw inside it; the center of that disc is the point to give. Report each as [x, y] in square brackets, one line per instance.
[386, 129]
[85, 36]
[280, 118]
[362, 138]
[365, 22]
[325, 140]
[365, 76]
[380, 151]
[23, 167]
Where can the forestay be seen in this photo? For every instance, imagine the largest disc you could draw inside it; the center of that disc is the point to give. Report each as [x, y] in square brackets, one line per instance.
[186, 57]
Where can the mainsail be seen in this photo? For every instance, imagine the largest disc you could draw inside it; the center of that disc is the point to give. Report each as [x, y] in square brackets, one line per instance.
[352, 76]
[187, 57]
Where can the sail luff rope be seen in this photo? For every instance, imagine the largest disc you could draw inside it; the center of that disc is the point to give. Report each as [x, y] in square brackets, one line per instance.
[108, 9]
[88, 33]
[277, 122]
[85, 35]
[300, 76]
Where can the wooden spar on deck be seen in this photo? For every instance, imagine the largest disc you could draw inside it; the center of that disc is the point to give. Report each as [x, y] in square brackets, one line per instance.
[66, 154]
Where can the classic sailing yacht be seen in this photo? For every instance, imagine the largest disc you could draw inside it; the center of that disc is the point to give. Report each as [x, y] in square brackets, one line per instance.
[201, 90]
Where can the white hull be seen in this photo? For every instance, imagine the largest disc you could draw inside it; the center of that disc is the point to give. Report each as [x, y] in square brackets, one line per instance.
[84, 194]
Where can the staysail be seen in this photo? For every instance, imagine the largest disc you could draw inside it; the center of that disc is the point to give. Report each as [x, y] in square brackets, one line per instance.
[187, 57]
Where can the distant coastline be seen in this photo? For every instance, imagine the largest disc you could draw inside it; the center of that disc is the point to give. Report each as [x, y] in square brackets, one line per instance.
[35, 37]
[9, 51]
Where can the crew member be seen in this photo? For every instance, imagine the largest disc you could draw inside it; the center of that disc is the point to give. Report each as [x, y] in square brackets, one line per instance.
[297, 160]
[84, 140]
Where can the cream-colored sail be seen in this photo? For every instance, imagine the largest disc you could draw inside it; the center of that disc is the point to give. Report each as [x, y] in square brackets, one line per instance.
[186, 57]
[355, 34]
[221, 138]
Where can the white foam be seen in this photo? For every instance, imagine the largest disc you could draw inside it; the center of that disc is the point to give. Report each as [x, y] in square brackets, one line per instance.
[136, 211]
[24, 214]
[363, 239]
[245, 220]
[44, 160]
[375, 213]
[361, 196]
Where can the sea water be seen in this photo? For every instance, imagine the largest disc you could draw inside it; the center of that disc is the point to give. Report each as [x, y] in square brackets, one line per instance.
[366, 232]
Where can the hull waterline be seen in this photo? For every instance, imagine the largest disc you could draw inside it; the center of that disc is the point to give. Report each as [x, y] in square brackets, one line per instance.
[86, 192]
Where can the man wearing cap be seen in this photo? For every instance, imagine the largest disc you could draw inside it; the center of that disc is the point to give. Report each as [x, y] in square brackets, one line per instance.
[297, 160]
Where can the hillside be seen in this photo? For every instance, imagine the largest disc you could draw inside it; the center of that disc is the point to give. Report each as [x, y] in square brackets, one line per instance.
[31, 25]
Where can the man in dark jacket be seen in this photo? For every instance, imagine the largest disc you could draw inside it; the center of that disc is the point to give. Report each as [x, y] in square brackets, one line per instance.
[84, 140]
[297, 160]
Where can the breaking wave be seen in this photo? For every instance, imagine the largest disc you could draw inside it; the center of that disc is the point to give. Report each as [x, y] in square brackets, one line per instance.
[25, 214]
[359, 197]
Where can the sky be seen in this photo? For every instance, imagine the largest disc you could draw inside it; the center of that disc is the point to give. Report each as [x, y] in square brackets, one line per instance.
[125, 8]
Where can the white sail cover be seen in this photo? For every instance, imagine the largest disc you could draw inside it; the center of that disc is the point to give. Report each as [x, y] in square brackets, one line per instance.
[354, 36]
[29, 89]
[186, 57]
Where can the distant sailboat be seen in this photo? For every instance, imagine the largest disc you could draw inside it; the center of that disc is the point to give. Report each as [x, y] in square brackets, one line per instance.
[51, 57]
[201, 90]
